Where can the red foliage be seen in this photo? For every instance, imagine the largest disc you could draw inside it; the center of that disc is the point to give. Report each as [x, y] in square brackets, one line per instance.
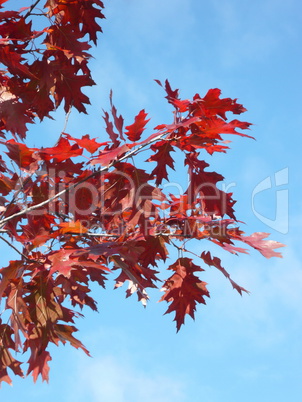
[81, 209]
[184, 290]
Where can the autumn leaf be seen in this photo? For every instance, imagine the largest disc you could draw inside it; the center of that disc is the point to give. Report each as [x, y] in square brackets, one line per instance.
[72, 223]
[106, 157]
[9, 273]
[7, 184]
[60, 152]
[63, 39]
[38, 365]
[70, 13]
[216, 262]
[72, 227]
[15, 116]
[265, 247]
[135, 130]
[211, 104]
[23, 156]
[110, 130]
[13, 61]
[118, 120]
[184, 290]
[213, 200]
[90, 144]
[65, 332]
[6, 358]
[172, 95]
[163, 159]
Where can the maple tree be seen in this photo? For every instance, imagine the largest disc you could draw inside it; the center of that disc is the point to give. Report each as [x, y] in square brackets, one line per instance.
[80, 210]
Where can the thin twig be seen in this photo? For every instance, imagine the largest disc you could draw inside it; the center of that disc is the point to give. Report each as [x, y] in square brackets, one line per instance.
[98, 234]
[8, 231]
[13, 247]
[31, 8]
[66, 119]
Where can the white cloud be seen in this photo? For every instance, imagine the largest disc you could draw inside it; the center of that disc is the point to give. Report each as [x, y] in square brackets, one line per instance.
[116, 379]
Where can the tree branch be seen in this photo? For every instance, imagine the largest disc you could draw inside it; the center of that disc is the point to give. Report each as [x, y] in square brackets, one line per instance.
[66, 118]
[15, 248]
[74, 185]
[31, 8]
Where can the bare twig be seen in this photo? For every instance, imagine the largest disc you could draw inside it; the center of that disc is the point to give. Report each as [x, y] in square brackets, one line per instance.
[66, 119]
[7, 231]
[31, 8]
[98, 234]
[15, 248]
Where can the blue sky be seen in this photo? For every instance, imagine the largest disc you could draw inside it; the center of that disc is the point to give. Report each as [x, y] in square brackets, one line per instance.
[239, 348]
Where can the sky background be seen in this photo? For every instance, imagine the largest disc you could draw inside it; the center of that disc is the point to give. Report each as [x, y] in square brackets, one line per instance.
[239, 348]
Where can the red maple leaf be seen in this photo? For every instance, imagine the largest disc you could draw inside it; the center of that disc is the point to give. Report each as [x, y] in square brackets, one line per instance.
[163, 159]
[13, 60]
[216, 262]
[81, 14]
[72, 227]
[60, 152]
[212, 104]
[38, 365]
[118, 120]
[110, 130]
[184, 290]
[63, 38]
[7, 184]
[22, 155]
[265, 247]
[106, 157]
[135, 130]
[213, 200]
[64, 332]
[90, 144]
[153, 250]
[6, 357]
[172, 96]
[68, 85]
[14, 117]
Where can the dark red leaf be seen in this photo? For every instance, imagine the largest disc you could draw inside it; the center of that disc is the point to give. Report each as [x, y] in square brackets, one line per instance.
[163, 159]
[135, 130]
[118, 120]
[216, 262]
[184, 290]
[14, 117]
[106, 157]
[90, 144]
[13, 61]
[110, 130]
[60, 152]
[38, 365]
[23, 156]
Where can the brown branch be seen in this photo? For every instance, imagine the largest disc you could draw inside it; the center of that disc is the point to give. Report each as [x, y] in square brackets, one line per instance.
[31, 8]
[7, 231]
[67, 118]
[15, 248]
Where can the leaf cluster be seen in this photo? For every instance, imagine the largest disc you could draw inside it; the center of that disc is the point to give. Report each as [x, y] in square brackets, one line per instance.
[81, 210]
